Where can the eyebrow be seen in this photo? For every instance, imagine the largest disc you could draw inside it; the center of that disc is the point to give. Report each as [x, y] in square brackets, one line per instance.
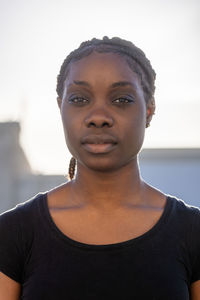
[113, 85]
[84, 83]
[122, 83]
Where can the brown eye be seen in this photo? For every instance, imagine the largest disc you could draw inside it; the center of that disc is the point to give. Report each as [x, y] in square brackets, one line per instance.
[123, 100]
[78, 100]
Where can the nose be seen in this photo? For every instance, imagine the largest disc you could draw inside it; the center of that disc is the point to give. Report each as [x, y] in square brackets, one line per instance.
[99, 118]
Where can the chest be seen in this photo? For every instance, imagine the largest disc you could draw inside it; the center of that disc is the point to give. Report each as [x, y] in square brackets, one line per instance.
[106, 228]
[146, 270]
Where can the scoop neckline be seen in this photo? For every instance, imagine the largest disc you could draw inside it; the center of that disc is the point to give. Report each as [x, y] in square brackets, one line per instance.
[46, 216]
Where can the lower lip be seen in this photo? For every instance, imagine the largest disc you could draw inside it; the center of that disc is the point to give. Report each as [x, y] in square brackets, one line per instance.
[99, 148]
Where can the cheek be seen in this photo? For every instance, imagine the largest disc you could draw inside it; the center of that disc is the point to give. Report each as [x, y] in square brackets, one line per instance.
[135, 129]
[69, 125]
[137, 117]
[135, 132]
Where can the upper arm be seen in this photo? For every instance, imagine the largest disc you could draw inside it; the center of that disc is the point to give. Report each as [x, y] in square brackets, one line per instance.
[194, 254]
[195, 290]
[9, 289]
[11, 248]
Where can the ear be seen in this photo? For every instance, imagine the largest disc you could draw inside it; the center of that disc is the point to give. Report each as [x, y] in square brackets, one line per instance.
[59, 101]
[151, 107]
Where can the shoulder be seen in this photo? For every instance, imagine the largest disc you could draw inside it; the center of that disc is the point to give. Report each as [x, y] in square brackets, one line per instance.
[184, 230]
[183, 220]
[182, 210]
[17, 225]
[22, 211]
[21, 219]
[17, 228]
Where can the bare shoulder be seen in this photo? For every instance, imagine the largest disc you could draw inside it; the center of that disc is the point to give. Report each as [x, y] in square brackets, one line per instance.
[9, 289]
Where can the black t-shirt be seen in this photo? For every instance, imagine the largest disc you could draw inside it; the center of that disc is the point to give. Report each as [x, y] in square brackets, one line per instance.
[161, 264]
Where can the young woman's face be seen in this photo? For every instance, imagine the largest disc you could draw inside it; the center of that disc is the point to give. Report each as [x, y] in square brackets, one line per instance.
[103, 112]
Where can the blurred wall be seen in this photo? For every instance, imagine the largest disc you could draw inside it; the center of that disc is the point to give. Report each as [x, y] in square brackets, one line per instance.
[174, 171]
[17, 181]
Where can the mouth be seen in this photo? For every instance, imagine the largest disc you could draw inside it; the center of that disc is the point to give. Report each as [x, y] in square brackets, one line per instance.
[99, 148]
[99, 144]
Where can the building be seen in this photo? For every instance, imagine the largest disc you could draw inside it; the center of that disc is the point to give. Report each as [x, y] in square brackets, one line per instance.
[174, 171]
[17, 181]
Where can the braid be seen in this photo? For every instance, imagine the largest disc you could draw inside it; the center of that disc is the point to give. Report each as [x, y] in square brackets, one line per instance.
[134, 56]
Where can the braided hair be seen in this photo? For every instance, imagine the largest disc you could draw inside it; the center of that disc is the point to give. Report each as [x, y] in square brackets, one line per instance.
[134, 56]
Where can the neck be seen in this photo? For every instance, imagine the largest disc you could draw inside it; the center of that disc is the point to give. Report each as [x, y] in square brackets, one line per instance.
[108, 190]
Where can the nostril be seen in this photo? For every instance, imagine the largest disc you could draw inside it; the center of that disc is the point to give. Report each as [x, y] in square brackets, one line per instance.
[105, 124]
[92, 124]
[99, 124]
[98, 120]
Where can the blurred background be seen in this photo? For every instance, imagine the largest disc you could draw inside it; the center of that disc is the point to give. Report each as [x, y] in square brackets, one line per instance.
[36, 36]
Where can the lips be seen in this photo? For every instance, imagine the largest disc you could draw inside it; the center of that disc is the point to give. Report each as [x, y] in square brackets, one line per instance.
[99, 144]
[98, 139]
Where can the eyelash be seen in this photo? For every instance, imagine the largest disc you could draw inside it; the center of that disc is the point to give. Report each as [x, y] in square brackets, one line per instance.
[123, 100]
[118, 101]
[78, 100]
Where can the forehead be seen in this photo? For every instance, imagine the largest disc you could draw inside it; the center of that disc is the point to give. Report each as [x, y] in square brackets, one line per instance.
[101, 66]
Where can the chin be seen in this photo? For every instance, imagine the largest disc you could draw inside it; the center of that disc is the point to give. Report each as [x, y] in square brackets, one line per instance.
[101, 166]
[104, 165]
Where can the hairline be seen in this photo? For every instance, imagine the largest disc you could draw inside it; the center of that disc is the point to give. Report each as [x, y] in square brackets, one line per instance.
[111, 49]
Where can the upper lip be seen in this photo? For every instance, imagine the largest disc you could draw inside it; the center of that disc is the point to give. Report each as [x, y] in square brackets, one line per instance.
[98, 139]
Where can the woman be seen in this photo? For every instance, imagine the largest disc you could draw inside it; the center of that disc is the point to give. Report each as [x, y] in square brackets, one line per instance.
[106, 234]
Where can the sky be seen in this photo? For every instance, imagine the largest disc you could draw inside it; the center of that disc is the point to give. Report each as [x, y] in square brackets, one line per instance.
[36, 36]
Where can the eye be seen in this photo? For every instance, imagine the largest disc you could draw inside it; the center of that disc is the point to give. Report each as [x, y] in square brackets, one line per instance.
[123, 100]
[78, 100]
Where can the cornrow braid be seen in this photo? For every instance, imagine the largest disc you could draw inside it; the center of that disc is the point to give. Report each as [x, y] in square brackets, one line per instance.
[72, 166]
[134, 56]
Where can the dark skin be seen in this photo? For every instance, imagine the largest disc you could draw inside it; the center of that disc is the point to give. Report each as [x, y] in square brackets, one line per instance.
[107, 202]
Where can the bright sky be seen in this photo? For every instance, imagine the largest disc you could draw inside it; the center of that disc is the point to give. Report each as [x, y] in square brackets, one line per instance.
[35, 37]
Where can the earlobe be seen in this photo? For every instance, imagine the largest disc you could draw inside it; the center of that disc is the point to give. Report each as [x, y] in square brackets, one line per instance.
[150, 111]
[59, 101]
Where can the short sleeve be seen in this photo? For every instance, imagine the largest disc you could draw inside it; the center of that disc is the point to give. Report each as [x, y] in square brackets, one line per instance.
[11, 250]
[195, 246]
